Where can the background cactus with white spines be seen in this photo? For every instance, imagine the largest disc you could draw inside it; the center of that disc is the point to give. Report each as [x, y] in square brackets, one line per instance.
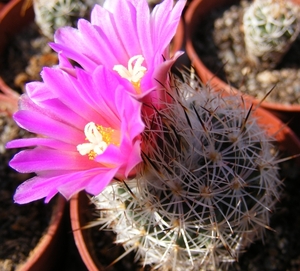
[206, 188]
[270, 27]
[53, 14]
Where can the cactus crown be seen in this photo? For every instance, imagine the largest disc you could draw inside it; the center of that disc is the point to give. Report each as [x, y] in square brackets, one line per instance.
[205, 190]
[270, 27]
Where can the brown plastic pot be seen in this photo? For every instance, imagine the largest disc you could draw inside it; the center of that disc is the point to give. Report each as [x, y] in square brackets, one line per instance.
[81, 211]
[193, 16]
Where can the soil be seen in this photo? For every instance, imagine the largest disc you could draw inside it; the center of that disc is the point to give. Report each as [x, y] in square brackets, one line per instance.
[220, 45]
[32, 52]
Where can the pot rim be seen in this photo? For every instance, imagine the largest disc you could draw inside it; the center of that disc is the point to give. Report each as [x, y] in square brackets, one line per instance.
[13, 16]
[46, 245]
[77, 229]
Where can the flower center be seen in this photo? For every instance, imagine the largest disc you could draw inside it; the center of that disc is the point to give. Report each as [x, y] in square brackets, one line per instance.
[99, 138]
[134, 73]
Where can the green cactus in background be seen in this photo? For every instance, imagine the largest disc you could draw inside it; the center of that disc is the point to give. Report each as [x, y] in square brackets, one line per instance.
[205, 190]
[52, 14]
[270, 27]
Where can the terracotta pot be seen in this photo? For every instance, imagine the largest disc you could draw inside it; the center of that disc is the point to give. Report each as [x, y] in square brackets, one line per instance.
[3, 3]
[178, 44]
[48, 253]
[193, 16]
[81, 214]
[81, 211]
[15, 15]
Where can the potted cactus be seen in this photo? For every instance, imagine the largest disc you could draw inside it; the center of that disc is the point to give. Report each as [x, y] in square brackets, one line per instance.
[185, 176]
[190, 206]
[270, 28]
[227, 55]
[204, 193]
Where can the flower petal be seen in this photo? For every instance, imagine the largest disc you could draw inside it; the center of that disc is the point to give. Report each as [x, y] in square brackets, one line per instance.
[119, 31]
[41, 124]
[45, 142]
[42, 159]
[59, 166]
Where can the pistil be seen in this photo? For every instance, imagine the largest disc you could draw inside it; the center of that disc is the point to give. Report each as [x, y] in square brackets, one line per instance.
[99, 138]
[134, 73]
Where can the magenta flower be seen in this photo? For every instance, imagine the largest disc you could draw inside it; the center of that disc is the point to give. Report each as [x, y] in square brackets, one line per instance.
[125, 37]
[90, 133]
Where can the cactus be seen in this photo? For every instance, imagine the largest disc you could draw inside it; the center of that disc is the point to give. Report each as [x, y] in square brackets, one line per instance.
[52, 14]
[206, 187]
[270, 27]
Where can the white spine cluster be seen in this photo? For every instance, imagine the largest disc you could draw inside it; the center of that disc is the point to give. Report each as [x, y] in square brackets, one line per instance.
[270, 27]
[206, 188]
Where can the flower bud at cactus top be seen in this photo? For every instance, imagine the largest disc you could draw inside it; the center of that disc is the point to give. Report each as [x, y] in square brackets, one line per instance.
[270, 27]
[52, 14]
[205, 190]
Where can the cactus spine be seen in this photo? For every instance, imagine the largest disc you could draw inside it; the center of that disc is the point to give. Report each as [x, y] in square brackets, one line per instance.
[270, 27]
[205, 190]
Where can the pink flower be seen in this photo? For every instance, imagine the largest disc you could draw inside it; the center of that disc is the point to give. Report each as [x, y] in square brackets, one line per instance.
[90, 133]
[125, 37]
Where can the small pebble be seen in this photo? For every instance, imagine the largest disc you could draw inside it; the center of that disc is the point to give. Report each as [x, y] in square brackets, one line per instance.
[267, 77]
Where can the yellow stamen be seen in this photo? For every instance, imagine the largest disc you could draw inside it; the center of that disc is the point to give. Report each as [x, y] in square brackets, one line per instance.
[134, 73]
[108, 135]
[99, 138]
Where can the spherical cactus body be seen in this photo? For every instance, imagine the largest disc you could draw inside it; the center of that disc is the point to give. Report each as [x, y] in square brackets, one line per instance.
[270, 27]
[53, 14]
[205, 190]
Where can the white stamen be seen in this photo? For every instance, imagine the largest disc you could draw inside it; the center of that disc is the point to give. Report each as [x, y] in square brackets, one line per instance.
[135, 72]
[96, 145]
